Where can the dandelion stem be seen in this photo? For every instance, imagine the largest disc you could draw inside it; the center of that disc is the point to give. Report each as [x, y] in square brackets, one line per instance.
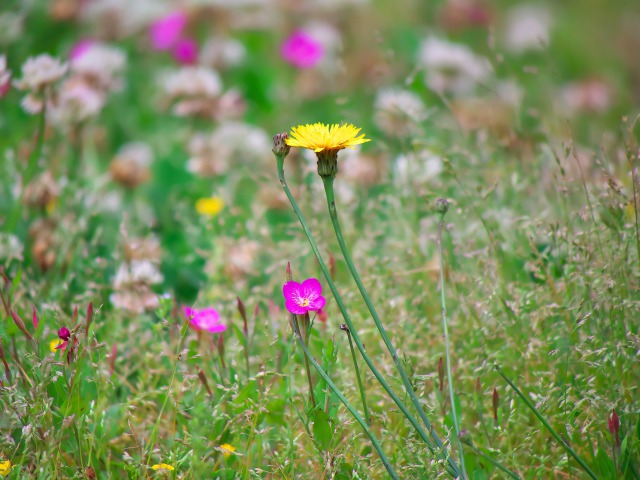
[355, 365]
[353, 411]
[328, 187]
[555, 434]
[447, 348]
[452, 467]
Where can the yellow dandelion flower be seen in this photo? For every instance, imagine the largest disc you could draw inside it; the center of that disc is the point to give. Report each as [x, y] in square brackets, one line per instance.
[162, 466]
[211, 206]
[227, 449]
[53, 344]
[320, 137]
[5, 468]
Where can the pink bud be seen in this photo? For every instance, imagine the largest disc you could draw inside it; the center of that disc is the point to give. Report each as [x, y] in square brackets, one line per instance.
[64, 334]
[35, 318]
[186, 51]
[614, 426]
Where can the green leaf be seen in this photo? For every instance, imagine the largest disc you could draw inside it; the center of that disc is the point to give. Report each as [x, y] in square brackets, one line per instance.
[322, 430]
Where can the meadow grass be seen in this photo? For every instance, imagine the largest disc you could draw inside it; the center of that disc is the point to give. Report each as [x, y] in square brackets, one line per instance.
[538, 265]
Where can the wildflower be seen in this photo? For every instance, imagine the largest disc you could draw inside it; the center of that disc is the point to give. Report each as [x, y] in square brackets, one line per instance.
[451, 67]
[162, 466]
[193, 90]
[167, 31]
[130, 167]
[302, 50]
[41, 191]
[77, 101]
[5, 76]
[55, 345]
[206, 319]
[399, 112]
[80, 47]
[64, 334]
[227, 449]
[614, 426]
[305, 297]
[132, 286]
[40, 72]
[527, 28]
[209, 206]
[100, 65]
[326, 141]
[222, 52]
[186, 51]
[5, 468]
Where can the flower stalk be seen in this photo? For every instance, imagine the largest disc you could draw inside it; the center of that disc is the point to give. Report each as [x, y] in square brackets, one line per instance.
[355, 365]
[442, 206]
[281, 149]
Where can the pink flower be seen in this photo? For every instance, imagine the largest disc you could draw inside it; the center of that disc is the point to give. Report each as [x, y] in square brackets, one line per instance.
[301, 50]
[206, 319]
[166, 31]
[81, 47]
[301, 298]
[186, 51]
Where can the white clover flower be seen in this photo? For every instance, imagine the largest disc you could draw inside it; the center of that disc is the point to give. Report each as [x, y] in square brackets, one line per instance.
[101, 64]
[193, 82]
[527, 28]
[40, 72]
[222, 52]
[451, 67]
[420, 166]
[398, 112]
[77, 101]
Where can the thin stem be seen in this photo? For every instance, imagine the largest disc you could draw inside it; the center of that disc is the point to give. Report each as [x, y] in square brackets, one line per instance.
[328, 187]
[555, 434]
[154, 432]
[495, 463]
[306, 363]
[353, 411]
[355, 365]
[448, 348]
[452, 468]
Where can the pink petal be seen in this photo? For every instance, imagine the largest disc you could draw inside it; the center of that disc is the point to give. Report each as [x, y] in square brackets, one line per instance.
[311, 288]
[291, 290]
[302, 50]
[317, 304]
[189, 312]
[186, 51]
[166, 31]
[293, 307]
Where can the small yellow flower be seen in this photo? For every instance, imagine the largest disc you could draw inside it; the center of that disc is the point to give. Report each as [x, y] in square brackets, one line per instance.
[163, 466]
[227, 449]
[320, 137]
[53, 344]
[211, 206]
[5, 468]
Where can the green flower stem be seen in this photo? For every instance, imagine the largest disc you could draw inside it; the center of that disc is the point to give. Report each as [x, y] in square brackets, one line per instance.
[353, 411]
[452, 468]
[355, 365]
[306, 361]
[328, 187]
[555, 434]
[448, 348]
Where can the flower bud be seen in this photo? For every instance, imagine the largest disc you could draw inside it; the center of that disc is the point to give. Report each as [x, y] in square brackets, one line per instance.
[614, 426]
[280, 147]
[441, 206]
[64, 334]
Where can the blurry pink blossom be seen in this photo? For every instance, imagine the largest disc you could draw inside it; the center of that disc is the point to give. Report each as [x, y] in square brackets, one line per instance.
[302, 50]
[186, 51]
[81, 47]
[167, 31]
[206, 319]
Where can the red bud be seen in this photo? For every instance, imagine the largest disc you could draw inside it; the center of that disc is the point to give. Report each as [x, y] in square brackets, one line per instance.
[35, 318]
[614, 426]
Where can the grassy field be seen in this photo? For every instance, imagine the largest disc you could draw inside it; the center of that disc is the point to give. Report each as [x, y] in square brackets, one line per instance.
[145, 238]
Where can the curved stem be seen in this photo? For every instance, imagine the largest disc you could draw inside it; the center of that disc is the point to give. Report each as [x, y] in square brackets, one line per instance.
[353, 411]
[452, 468]
[328, 187]
[355, 365]
[447, 350]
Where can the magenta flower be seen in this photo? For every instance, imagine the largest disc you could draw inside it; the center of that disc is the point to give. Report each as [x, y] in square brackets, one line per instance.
[302, 50]
[81, 47]
[305, 297]
[206, 319]
[166, 31]
[186, 51]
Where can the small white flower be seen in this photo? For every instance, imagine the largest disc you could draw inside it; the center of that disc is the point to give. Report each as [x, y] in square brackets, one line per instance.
[527, 28]
[40, 72]
[222, 52]
[193, 82]
[451, 67]
[77, 101]
[399, 112]
[101, 64]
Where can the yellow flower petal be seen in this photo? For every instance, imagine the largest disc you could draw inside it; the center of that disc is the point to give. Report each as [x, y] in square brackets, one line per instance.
[53, 344]
[209, 206]
[227, 449]
[5, 468]
[319, 137]
[163, 466]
